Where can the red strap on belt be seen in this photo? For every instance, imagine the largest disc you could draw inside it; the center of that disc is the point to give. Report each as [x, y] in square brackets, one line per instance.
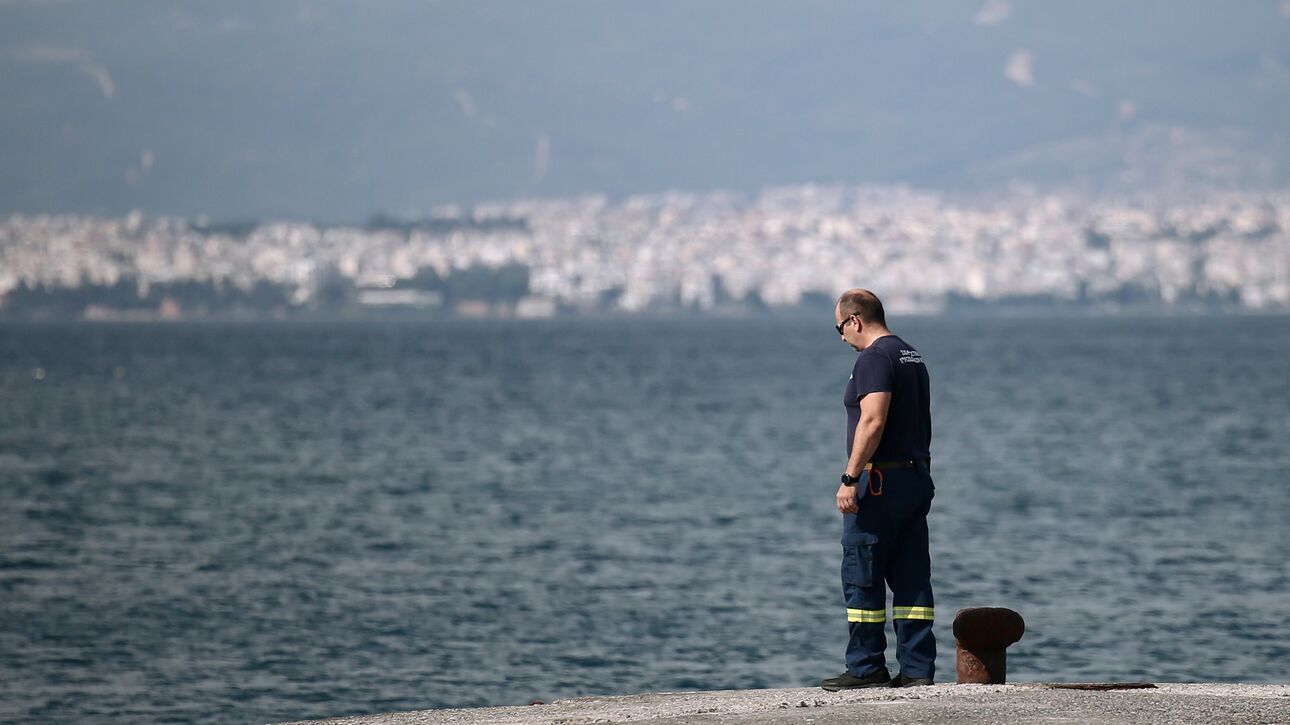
[872, 472]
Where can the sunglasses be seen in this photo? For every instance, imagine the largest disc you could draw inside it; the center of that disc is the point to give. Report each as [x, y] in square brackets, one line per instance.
[842, 325]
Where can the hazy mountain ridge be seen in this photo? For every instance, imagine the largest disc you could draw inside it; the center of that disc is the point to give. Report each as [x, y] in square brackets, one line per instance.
[1150, 159]
[332, 110]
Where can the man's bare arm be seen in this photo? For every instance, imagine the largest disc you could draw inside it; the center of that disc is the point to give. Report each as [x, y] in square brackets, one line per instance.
[873, 418]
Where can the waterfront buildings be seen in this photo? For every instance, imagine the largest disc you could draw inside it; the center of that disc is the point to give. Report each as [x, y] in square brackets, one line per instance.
[708, 252]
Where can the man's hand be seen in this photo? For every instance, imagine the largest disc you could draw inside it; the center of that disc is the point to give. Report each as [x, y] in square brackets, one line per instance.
[847, 499]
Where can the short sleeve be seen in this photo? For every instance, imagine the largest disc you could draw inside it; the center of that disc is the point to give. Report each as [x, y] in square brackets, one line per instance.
[873, 374]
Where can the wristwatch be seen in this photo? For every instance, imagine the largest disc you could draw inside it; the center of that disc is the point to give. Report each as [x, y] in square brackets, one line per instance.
[849, 480]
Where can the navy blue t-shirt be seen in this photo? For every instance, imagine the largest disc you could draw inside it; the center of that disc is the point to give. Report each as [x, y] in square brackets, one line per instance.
[890, 365]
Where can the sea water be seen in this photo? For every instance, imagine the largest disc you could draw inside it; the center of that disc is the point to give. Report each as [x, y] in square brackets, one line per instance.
[255, 522]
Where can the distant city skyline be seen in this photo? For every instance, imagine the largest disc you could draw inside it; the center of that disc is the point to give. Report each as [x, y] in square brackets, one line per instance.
[332, 111]
[714, 253]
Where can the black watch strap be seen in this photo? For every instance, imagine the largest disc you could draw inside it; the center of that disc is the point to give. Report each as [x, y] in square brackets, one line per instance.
[849, 480]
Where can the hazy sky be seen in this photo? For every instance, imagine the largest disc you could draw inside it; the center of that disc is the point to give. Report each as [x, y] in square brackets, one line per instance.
[334, 110]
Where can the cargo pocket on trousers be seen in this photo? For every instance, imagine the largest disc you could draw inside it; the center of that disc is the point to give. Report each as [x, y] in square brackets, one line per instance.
[857, 559]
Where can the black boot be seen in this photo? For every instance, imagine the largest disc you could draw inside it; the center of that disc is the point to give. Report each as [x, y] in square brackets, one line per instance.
[848, 681]
[902, 681]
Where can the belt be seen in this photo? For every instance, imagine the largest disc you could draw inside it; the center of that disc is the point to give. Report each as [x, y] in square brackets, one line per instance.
[888, 465]
[878, 466]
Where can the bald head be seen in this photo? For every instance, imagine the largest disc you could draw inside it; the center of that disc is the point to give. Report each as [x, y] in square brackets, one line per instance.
[863, 304]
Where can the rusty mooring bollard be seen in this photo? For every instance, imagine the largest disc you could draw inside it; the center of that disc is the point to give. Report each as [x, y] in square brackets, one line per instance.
[982, 636]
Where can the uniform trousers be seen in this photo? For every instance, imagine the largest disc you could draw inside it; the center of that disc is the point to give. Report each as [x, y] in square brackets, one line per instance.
[885, 545]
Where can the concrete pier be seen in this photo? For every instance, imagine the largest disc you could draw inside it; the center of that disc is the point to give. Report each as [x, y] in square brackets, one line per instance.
[1003, 704]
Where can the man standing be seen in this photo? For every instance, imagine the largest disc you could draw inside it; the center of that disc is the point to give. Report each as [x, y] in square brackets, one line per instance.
[885, 494]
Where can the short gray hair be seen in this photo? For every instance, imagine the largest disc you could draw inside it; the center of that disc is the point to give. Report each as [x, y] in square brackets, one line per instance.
[863, 304]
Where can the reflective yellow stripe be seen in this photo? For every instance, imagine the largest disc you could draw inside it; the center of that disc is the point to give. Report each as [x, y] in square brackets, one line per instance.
[913, 613]
[867, 616]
